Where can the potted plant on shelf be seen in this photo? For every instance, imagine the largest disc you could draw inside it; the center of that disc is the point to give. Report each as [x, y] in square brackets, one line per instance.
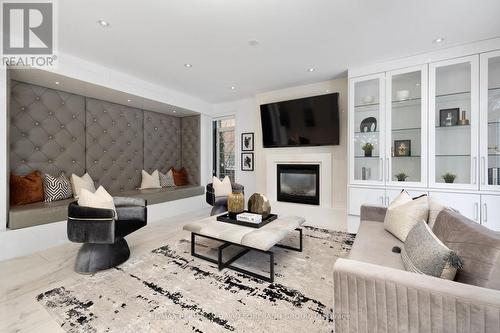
[401, 177]
[368, 148]
[449, 177]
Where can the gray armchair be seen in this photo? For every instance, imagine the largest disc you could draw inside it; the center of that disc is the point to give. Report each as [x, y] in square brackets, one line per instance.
[102, 233]
[220, 203]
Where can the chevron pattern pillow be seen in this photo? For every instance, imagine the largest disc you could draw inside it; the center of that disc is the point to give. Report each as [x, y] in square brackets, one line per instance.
[56, 188]
[167, 180]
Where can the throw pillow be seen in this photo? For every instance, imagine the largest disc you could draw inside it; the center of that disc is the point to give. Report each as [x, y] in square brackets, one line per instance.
[434, 209]
[26, 189]
[180, 177]
[150, 180]
[424, 253]
[100, 199]
[166, 180]
[84, 182]
[403, 213]
[222, 188]
[56, 188]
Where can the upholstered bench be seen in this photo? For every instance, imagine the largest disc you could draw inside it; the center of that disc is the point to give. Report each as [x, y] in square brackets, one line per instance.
[47, 212]
[247, 238]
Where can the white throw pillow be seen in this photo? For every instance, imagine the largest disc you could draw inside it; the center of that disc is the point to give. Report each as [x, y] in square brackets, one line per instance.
[403, 213]
[434, 209]
[100, 199]
[222, 188]
[84, 182]
[150, 180]
[166, 180]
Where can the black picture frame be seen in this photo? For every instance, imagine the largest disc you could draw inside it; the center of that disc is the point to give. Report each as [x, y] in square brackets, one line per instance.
[402, 148]
[443, 115]
[247, 141]
[247, 161]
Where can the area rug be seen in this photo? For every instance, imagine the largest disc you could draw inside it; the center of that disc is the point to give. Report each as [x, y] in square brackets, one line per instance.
[167, 290]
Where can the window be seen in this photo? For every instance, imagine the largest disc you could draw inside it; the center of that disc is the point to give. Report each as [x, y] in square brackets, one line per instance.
[224, 148]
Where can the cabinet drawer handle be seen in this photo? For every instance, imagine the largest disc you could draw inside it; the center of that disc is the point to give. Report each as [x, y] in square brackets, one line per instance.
[483, 170]
[387, 169]
[381, 170]
[382, 200]
[485, 213]
[474, 165]
[476, 213]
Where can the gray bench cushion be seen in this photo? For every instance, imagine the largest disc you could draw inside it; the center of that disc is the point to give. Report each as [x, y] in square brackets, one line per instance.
[263, 238]
[42, 213]
[374, 245]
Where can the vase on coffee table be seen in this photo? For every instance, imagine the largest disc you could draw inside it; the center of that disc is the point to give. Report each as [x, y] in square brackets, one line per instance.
[235, 203]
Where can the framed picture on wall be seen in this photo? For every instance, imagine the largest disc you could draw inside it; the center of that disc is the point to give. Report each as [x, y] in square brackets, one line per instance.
[246, 141]
[402, 148]
[247, 161]
[449, 117]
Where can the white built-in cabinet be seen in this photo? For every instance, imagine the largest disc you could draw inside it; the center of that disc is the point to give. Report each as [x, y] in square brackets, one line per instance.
[435, 125]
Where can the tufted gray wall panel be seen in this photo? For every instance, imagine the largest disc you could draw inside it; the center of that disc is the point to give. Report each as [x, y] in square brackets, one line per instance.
[47, 130]
[162, 142]
[190, 151]
[115, 136]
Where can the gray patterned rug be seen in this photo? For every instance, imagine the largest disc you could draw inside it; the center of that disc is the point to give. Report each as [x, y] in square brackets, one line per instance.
[169, 291]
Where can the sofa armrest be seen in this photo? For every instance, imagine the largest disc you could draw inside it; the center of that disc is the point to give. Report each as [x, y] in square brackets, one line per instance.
[210, 194]
[373, 213]
[373, 298]
[129, 202]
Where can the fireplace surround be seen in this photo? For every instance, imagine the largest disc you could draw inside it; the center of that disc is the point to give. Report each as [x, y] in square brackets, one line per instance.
[298, 183]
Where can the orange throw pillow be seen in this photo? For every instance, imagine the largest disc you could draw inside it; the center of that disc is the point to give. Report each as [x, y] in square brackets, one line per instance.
[26, 189]
[180, 177]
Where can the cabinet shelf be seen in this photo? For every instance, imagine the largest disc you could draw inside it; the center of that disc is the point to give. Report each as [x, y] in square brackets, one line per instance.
[367, 156]
[366, 105]
[456, 94]
[453, 155]
[406, 102]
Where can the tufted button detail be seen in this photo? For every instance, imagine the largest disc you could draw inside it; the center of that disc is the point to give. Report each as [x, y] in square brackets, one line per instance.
[105, 111]
[37, 148]
[94, 120]
[128, 143]
[37, 123]
[73, 116]
[50, 161]
[62, 149]
[113, 123]
[128, 124]
[51, 137]
[73, 161]
[51, 113]
[105, 151]
[73, 139]
[37, 98]
[95, 162]
[23, 161]
[105, 131]
[23, 108]
[62, 103]
[113, 161]
[156, 128]
[23, 135]
[113, 142]
[62, 126]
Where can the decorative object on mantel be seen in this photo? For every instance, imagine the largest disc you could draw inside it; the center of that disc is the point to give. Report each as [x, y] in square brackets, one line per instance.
[247, 141]
[449, 177]
[368, 125]
[401, 177]
[259, 204]
[402, 148]
[463, 121]
[368, 148]
[235, 203]
[247, 161]
[449, 117]
[402, 95]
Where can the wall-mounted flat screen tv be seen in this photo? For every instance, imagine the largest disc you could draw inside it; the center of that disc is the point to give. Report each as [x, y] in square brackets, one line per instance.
[311, 121]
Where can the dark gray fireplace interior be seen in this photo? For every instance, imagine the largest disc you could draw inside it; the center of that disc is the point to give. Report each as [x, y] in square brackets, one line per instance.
[298, 183]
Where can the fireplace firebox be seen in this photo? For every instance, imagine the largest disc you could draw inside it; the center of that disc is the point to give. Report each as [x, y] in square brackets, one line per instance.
[298, 183]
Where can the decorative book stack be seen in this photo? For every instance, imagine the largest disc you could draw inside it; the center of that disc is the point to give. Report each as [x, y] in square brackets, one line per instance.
[493, 176]
[249, 217]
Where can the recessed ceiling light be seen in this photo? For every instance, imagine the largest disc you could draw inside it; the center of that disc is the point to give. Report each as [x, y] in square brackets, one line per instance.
[233, 88]
[129, 100]
[311, 69]
[188, 65]
[438, 40]
[103, 23]
[57, 82]
[174, 111]
[253, 42]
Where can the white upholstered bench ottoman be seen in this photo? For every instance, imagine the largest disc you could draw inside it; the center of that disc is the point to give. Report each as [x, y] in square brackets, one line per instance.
[247, 238]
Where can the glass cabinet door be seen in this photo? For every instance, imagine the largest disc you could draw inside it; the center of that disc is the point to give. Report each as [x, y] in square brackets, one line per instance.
[406, 119]
[454, 123]
[366, 104]
[490, 120]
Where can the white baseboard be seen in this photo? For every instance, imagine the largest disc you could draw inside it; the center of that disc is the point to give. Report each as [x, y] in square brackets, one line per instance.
[21, 242]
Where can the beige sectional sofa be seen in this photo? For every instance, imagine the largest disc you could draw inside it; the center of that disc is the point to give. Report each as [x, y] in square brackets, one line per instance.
[373, 292]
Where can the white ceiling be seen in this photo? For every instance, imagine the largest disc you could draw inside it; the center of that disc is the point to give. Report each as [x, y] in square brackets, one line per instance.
[75, 86]
[153, 39]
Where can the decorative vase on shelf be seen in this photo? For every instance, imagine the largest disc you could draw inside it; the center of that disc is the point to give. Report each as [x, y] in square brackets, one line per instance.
[259, 204]
[368, 153]
[235, 203]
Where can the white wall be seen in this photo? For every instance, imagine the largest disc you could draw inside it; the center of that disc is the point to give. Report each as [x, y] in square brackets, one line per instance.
[244, 113]
[339, 153]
